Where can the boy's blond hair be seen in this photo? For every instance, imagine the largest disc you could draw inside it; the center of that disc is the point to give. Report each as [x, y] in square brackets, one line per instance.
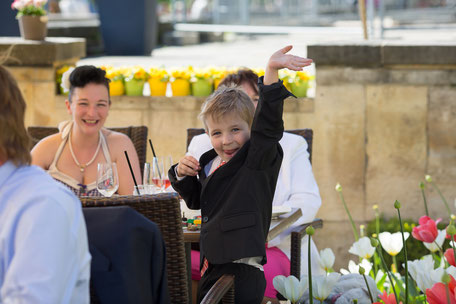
[226, 100]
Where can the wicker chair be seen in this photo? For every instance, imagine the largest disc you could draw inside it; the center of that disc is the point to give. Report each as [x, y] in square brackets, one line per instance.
[164, 210]
[137, 134]
[299, 232]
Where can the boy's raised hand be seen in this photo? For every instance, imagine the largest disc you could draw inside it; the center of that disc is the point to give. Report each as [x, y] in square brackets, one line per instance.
[280, 60]
[188, 166]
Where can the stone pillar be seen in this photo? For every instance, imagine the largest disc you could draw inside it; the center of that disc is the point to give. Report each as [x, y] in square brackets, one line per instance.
[33, 64]
[386, 116]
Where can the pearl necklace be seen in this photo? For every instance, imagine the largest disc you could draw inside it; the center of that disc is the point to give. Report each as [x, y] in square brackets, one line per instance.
[82, 167]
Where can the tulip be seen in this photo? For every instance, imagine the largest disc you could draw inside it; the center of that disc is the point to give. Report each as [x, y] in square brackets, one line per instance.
[449, 255]
[438, 242]
[392, 242]
[290, 287]
[388, 298]
[420, 270]
[362, 248]
[427, 230]
[327, 259]
[438, 293]
[354, 268]
[437, 274]
[323, 285]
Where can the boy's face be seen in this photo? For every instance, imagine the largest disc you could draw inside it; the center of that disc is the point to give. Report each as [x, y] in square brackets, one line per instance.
[228, 134]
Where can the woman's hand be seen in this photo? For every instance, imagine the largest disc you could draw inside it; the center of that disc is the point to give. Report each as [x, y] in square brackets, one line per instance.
[280, 60]
[188, 166]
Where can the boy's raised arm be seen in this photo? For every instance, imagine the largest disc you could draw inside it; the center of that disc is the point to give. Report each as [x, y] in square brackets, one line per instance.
[280, 60]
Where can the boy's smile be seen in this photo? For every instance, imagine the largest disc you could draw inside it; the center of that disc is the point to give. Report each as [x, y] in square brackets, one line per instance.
[228, 134]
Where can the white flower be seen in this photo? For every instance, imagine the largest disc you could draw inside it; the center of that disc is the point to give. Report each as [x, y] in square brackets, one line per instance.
[20, 4]
[327, 259]
[362, 248]
[39, 3]
[420, 271]
[392, 243]
[290, 287]
[354, 268]
[66, 80]
[439, 240]
[322, 285]
[436, 274]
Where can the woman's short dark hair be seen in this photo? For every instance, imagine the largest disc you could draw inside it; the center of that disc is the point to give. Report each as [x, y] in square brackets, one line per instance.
[241, 76]
[85, 74]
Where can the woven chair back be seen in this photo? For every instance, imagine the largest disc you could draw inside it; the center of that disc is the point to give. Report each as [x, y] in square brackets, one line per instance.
[306, 133]
[164, 210]
[137, 134]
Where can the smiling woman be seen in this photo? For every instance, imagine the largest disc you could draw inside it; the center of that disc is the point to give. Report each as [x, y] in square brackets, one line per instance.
[71, 156]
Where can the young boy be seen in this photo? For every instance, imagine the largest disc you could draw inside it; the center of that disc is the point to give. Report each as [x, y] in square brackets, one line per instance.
[236, 180]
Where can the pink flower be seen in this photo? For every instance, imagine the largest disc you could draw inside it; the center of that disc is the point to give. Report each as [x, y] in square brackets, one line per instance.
[449, 255]
[427, 230]
[388, 298]
[437, 294]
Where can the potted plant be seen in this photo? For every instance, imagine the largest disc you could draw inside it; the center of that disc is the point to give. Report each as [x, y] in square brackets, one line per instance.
[202, 82]
[300, 83]
[116, 86]
[32, 18]
[158, 81]
[180, 82]
[134, 81]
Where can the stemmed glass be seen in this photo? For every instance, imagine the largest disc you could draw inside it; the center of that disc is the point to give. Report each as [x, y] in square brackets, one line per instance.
[167, 163]
[107, 179]
[157, 172]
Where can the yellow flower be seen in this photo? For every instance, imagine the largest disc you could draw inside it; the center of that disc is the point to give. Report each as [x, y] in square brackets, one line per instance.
[181, 73]
[160, 74]
[136, 72]
[113, 73]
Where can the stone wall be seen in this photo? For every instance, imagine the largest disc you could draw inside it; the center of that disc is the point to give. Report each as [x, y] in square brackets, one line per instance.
[384, 115]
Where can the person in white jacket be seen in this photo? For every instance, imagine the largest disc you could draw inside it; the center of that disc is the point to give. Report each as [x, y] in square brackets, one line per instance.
[296, 188]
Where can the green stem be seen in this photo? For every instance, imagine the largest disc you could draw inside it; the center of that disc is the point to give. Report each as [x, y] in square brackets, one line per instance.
[309, 272]
[387, 272]
[349, 216]
[454, 249]
[425, 202]
[394, 263]
[405, 257]
[368, 289]
[447, 293]
[441, 196]
[375, 265]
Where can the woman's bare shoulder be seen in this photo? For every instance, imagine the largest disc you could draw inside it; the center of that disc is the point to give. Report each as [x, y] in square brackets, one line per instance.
[44, 151]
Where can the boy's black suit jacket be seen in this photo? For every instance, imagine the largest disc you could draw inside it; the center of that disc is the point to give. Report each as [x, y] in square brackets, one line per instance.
[236, 200]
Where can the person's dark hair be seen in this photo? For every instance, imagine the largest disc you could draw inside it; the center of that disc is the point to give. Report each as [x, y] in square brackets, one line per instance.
[14, 140]
[241, 76]
[85, 74]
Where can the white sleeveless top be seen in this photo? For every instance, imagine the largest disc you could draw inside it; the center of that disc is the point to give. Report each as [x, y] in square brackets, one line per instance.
[78, 188]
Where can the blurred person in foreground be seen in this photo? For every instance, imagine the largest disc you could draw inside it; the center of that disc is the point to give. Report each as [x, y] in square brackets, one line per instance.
[296, 187]
[44, 255]
[71, 156]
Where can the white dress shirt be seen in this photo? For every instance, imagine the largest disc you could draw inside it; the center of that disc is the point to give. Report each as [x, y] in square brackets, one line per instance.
[296, 187]
[44, 256]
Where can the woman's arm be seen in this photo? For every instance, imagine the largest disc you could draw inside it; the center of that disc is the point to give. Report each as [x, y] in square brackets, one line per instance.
[118, 143]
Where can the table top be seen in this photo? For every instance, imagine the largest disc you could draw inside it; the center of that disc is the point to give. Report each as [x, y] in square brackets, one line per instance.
[278, 225]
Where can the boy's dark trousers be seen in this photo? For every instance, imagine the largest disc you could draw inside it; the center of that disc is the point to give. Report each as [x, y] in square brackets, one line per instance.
[249, 282]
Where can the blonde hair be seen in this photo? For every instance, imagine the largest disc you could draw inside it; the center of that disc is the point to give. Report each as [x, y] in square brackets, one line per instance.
[226, 100]
[14, 140]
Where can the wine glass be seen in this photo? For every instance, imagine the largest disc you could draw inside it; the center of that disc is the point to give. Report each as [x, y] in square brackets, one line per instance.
[157, 172]
[167, 163]
[107, 179]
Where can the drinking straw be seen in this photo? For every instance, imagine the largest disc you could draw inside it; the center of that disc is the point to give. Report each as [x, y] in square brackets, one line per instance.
[155, 158]
[132, 174]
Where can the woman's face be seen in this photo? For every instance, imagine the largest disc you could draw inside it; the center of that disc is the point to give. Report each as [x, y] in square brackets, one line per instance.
[89, 107]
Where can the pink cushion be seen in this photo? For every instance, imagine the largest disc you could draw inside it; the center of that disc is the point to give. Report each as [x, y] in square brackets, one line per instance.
[278, 264]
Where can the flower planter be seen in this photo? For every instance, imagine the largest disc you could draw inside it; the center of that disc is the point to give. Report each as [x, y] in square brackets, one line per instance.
[117, 88]
[180, 87]
[157, 87]
[134, 87]
[33, 27]
[299, 89]
[202, 88]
